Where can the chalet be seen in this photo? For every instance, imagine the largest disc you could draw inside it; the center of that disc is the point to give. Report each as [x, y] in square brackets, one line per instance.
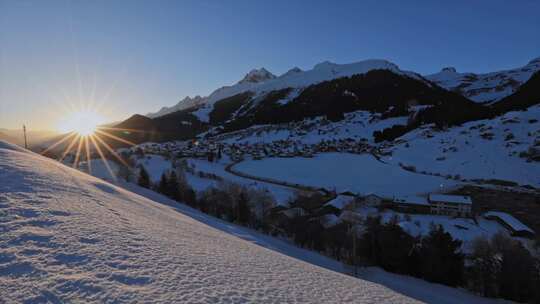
[453, 205]
[515, 226]
[342, 202]
[372, 200]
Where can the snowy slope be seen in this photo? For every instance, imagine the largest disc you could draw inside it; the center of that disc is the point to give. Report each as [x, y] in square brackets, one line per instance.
[357, 125]
[69, 237]
[358, 173]
[281, 194]
[486, 87]
[185, 103]
[257, 75]
[484, 149]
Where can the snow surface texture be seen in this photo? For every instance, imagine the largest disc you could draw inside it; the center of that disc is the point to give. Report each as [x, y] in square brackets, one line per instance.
[358, 173]
[484, 149]
[69, 237]
[487, 87]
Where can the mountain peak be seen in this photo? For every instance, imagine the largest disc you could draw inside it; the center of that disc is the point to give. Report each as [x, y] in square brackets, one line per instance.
[449, 69]
[292, 71]
[535, 60]
[324, 65]
[257, 75]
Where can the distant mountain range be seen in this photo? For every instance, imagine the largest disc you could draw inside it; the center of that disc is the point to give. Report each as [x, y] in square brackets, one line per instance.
[16, 136]
[332, 90]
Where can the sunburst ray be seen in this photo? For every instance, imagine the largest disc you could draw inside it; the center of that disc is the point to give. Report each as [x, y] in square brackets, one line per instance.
[78, 154]
[88, 156]
[69, 148]
[59, 142]
[105, 161]
[115, 137]
[112, 151]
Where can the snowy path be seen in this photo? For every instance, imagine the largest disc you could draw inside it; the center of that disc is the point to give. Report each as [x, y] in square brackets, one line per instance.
[69, 237]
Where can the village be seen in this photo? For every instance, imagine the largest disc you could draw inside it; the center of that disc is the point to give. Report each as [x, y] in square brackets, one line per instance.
[453, 206]
[239, 151]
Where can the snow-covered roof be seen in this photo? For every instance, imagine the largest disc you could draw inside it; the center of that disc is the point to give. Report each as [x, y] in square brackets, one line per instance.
[511, 221]
[413, 200]
[340, 201]
[452, 199]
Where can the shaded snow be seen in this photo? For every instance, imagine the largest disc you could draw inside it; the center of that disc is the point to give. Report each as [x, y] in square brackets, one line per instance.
[155, 165]
[346, 172]
[486, 87]
[513, 222]
[356, 125]
[282, 194]
[183, 104]
[484, 149]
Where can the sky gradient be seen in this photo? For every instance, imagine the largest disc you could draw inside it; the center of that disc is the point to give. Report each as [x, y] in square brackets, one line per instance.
[137, 56]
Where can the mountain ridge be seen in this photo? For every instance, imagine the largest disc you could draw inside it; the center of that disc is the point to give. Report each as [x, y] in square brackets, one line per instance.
[485, 87]
[329, 90]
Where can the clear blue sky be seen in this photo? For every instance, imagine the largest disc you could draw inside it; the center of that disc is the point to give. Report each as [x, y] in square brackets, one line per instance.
[147, 54]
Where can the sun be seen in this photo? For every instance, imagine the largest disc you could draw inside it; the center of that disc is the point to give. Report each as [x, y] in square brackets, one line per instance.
[84, 122]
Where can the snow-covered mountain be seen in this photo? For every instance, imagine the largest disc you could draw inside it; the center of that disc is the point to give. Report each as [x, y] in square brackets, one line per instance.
[332, 90]
[481, 88]
[261, 80]
[69, 237]
[185, 103]
[297, 79]
[257, 75]
[488, 87]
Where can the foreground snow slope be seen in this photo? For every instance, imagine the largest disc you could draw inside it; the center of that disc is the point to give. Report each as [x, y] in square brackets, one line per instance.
[69, 237]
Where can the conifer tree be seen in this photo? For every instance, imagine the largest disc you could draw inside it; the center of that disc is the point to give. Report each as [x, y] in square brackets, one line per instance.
[172, 186]
[144, 178]
[163, 185]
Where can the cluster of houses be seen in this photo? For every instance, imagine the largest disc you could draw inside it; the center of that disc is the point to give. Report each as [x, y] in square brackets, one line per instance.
[239, 151]
[438, 204]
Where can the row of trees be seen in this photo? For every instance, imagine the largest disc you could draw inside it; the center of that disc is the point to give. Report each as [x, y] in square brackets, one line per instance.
[503, 267]
[228, 201]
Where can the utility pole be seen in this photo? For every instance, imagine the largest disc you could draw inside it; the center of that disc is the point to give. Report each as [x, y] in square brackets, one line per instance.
[24, 132]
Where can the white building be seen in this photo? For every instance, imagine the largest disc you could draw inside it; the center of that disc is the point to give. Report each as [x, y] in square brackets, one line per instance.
[453, 205]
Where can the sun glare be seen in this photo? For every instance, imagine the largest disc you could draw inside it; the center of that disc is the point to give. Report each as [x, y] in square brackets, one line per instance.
[84, 123]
